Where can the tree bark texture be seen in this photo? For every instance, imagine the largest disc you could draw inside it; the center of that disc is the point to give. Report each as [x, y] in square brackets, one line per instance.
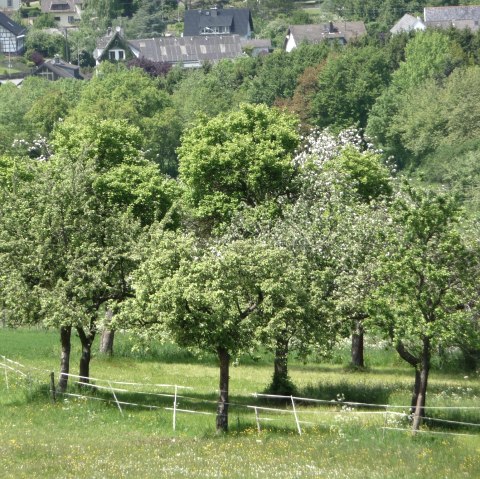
[280, 363]
[358, 344]
[422, 388]
[65, 335]
[222, 409]
[108, 335]
[86, 339]
[106, 341]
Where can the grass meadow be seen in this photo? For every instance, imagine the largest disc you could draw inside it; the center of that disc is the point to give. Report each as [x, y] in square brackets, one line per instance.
[90, 438]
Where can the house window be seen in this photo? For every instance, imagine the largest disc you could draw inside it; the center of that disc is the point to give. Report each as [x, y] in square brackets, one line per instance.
[57, 19]
[116, 54]
[71, 19]
[9, 3]
[48, 75]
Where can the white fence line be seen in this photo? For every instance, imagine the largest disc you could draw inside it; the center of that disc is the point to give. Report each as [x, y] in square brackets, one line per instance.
[334, 402]
[428, 432]
[386, 409]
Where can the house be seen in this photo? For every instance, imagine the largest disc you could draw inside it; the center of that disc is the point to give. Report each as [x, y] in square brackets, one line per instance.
[56, 68]
[67, 13]
[460, 17]
[113, 46]
[338, 32]
[188, 51]
[256, 46]
[191, 51]
[10, 5]
[12, 36]
[218, 21]
[408, 23]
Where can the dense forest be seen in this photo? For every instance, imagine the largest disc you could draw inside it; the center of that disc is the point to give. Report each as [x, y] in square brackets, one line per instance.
[285, 200]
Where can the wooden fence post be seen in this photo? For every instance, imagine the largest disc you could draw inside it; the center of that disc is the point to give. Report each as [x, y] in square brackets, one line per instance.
[53, 391]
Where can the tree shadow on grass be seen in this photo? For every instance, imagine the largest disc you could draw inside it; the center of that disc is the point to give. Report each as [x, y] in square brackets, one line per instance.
[344, 391]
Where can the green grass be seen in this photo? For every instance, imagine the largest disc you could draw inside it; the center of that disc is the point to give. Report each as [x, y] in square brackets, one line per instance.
[78, 438]
[12, 65]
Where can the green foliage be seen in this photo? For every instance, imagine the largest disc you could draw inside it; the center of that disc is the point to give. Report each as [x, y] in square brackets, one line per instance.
[130, 94]
[278, 73]
[429, 55]
[44, 20]
[33, 109]
[365, 172]
[247, 153]
[348, 86]
[211, 91]
[430, 273]
[48, 44]
[148, 21]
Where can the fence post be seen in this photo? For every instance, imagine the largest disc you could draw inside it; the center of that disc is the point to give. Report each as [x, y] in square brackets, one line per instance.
[6, 373]
[258, 420]
[299, 429]
[175, 409]
[386, 420]
[53, 391]
[115, 397]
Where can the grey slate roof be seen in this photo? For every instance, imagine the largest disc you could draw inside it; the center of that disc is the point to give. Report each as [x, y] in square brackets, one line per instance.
[11, 26]
[190, 49]
[460, 17]
[320, 32]
[60, 68]
[240, 20]
[58, 6]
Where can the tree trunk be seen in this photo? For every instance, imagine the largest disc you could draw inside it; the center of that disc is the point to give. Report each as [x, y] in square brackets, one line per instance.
[280, 363]
[415, 392]
[108, 334]
[357, 344]
[86, 340]
[65, 334]
[106, 341]
[422, 389]
[222, 410]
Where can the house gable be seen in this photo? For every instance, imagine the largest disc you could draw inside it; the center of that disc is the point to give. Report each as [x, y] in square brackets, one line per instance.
[67, 13]
[218, 21]
[338, 32]
[12, 35]
[55, 69]
[408, 23]
[114, 47]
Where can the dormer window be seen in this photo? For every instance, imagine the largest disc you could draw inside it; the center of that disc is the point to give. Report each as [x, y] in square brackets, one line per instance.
[215, 30]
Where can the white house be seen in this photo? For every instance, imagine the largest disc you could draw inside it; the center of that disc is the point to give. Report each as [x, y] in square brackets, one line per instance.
[10, 5]
[12, 36]
[408, 23]
[67, 13]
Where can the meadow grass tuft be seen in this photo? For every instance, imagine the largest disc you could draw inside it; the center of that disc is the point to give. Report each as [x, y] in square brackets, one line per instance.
[91, 438]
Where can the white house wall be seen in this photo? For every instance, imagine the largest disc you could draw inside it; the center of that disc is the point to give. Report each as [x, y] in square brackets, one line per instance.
[9, 5]
[8, 41]
[291, 45]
